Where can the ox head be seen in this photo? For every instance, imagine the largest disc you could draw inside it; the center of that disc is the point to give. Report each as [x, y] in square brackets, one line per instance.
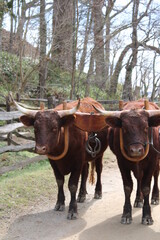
[134, 128]
[47, 125]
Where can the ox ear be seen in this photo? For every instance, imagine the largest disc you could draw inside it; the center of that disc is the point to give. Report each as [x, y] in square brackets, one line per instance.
[27, 120]
[114, 122]
[154, 121]
[67, 120]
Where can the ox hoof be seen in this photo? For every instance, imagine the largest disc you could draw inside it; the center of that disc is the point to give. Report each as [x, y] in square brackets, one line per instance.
[138, 204]
[155, 201]
[147, 220]
[97, 195]
[81, 198]
[126, 220]
[72, 215]
[59, 207]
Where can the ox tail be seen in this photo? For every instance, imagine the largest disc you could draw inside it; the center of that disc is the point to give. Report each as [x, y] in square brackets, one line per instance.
[92, 170]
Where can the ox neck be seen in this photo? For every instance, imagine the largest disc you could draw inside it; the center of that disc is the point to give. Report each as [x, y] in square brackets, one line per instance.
[61, 142]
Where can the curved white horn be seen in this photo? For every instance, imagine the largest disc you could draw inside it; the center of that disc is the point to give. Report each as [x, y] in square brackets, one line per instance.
[153, 112]
[108, 113]
[63, 113]
[22, 109]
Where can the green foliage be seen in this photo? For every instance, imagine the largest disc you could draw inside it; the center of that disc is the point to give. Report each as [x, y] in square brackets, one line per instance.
[10, 4]
[10, 72]
[9, 65]
[58, 82]
[5, 7]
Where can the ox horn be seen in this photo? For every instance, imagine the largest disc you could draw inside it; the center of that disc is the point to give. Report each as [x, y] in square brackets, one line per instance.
[63, 113]
[22, 109]
[153, 112]
[107, 113]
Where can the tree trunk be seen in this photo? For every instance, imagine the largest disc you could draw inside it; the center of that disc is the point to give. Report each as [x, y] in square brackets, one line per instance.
[11, 32]
[127, 89]
[63, 16]
[87, 31]
[1, 21]
[74, 47]
[89, 75]
[84, 51]
[99, 42]
[107, 42]
[118, 67]
[20, 29]
[42, 61]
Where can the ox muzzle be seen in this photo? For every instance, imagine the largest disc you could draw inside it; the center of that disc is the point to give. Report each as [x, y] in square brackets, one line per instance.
[42, 150]
[136, 149]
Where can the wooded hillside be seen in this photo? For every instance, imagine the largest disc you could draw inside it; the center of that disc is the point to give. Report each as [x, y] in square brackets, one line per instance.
[99, 48]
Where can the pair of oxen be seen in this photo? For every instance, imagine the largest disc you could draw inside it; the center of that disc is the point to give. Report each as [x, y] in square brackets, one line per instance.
[132, 134]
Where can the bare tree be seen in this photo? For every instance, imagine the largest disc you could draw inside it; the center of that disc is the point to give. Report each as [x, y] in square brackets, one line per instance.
[89, 75]
[2, 6]
[42, 61]
[62, 46]
[98, 42]
[109, 9]
[156, 79]
[86, 35]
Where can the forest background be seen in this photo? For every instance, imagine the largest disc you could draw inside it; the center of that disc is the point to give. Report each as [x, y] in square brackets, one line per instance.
[106, 49]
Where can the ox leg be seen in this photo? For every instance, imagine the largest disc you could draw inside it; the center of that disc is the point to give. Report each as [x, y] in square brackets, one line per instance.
[60, 204]
[98, 188]
[138, 203]
[73, 185]
[128, 187]
[138, 173]
[146, 215]
[155, 191]
[82, 192]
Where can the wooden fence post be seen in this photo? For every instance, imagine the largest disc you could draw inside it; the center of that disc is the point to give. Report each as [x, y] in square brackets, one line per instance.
[8, 108]
[18, 98]
[146, 104]
[51, 102]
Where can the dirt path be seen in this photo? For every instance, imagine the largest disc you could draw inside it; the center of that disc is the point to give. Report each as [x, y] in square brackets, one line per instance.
[98, 219]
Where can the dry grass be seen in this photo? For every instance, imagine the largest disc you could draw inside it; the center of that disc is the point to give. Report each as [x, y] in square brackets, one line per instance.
[25, 187]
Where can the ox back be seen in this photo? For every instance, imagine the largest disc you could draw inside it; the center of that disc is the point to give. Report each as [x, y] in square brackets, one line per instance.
[49, 135]
[137, 130]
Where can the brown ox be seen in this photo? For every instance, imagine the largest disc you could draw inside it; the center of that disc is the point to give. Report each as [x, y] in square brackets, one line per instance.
[132, 130]
[58, 134]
